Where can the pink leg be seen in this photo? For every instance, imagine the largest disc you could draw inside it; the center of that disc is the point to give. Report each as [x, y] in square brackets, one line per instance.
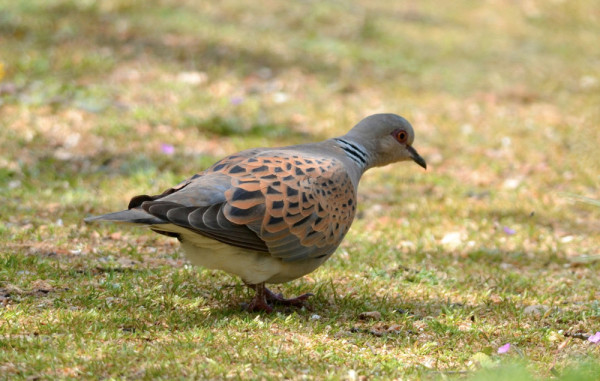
[263, 296]
[279, 299]
[259, 301]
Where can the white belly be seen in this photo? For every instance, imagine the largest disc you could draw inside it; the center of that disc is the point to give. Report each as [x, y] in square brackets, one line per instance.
[252, 266]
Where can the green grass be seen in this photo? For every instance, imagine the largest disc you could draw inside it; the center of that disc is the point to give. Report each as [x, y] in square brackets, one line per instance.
[504, 99]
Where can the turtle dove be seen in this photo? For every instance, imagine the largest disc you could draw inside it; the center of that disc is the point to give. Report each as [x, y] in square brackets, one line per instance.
[272, 215]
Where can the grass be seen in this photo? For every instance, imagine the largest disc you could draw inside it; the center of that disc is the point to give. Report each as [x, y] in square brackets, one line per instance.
[487, 247]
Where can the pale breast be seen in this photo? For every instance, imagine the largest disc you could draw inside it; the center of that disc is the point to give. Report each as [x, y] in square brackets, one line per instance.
[252, 266]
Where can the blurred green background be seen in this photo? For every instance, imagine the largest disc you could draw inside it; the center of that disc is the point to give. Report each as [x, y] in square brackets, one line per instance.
[104, 100]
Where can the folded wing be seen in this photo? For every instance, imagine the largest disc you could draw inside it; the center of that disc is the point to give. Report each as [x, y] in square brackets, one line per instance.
[290, 205]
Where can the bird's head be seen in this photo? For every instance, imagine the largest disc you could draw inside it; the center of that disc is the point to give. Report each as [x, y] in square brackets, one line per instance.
[388, 138]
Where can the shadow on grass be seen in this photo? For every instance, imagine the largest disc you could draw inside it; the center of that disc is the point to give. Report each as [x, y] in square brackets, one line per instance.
[150, 302]
[92, 29]
[220, 297]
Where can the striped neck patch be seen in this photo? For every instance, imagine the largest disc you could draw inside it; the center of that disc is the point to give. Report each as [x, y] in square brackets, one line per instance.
[354, 151]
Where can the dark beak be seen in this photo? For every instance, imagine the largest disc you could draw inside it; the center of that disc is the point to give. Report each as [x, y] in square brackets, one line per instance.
[416, 157]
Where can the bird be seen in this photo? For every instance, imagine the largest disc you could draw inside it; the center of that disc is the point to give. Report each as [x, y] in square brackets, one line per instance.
[273, 215]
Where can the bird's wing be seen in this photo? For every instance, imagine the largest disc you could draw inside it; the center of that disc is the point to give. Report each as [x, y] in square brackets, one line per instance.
[292, 205]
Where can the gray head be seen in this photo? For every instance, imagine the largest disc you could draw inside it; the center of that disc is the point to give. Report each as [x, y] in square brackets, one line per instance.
[388, 138]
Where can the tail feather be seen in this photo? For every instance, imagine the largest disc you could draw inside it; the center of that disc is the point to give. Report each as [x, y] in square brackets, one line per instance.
[131, 216]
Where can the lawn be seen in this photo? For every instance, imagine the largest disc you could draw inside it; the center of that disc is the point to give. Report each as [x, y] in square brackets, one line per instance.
[497, 243]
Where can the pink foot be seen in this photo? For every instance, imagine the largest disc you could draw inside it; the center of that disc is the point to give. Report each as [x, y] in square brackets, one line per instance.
[257, 305]
[260, 301]
[279, 299]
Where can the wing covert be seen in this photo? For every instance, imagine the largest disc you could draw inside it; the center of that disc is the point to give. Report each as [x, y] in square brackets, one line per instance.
[278, 201]
[301, 207]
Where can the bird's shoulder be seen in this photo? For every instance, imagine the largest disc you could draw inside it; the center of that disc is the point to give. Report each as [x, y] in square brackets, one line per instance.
[299, 204]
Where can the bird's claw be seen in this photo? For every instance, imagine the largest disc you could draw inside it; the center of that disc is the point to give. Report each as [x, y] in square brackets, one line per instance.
[262, 300]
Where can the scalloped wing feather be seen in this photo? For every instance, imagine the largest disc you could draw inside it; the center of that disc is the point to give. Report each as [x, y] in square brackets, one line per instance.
[287, 203]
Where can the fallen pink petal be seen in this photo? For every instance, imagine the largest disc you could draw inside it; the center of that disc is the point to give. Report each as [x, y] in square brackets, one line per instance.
[503, 349]
[595, 338]
[236, 100]
[167, 149]
[509, 231]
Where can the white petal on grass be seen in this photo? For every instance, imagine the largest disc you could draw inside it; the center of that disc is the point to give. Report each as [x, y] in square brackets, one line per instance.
[452, 240]
[192, 77]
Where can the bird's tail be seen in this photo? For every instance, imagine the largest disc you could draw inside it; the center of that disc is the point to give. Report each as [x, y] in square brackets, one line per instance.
[131, 216]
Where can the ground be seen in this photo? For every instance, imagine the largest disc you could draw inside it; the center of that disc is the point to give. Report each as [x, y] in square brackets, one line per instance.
[495, 244]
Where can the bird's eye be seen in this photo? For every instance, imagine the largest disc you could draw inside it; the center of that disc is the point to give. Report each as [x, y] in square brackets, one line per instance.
[401, 136]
